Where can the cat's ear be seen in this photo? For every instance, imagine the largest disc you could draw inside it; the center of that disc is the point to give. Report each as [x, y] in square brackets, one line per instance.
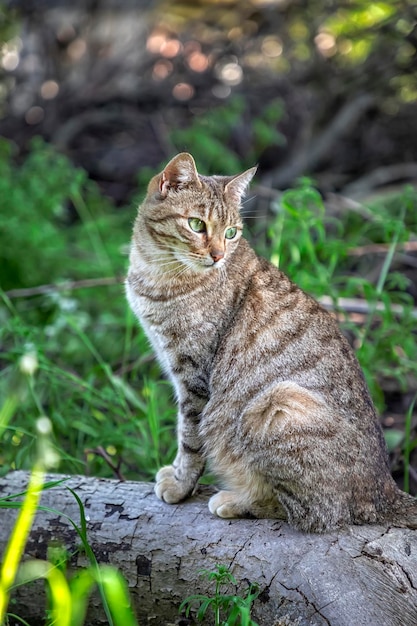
[236, 188]
[180, 172]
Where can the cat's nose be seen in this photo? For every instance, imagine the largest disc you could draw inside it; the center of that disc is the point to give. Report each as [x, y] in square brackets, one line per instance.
[216, 255]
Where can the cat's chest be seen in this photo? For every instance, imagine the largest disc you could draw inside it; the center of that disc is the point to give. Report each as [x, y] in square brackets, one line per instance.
[178, 325]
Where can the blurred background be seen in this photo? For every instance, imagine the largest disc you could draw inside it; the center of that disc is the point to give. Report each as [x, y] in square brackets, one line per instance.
[115, 86]
[96, 95]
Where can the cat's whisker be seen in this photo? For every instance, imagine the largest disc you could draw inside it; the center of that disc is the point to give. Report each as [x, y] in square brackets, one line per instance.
[186, 254]
[189, 261]
[183, 252]
[252, 213]
[177, 268]
[181, 271]
[162, 262]
[169, 267]
[247, 216]
[162, 256]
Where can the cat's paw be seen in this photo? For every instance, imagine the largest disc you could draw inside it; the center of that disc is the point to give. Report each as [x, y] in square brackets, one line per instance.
[226, 504]
[169, 488]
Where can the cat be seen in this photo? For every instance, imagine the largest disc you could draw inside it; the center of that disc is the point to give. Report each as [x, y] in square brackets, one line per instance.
[269, 392]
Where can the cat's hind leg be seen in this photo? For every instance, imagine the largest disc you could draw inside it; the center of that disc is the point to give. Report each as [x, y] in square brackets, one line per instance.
[272, 455]
[230, 504]
[256, 499]
[294, 446]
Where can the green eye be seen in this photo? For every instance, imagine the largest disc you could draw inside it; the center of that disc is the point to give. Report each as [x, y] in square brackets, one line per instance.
[197, 225]
[230, 232]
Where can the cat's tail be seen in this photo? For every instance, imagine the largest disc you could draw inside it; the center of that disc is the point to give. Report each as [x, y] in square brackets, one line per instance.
[403, 512]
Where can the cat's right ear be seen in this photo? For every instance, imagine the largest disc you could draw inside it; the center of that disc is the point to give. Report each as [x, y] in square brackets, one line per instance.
[179, 173]
[237, 186]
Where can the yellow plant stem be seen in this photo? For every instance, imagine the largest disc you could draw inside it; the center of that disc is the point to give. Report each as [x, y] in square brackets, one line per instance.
[61, 606]
[17, 541]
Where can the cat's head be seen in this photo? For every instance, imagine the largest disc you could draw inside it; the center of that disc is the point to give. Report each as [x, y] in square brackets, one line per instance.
[193, 220]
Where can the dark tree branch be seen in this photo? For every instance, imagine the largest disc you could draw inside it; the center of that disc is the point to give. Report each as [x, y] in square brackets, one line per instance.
[310, 155]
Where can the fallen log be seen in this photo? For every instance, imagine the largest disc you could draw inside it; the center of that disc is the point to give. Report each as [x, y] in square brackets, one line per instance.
[366, 575]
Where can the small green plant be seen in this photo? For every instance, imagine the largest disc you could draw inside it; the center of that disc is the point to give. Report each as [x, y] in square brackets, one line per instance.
[228, 609]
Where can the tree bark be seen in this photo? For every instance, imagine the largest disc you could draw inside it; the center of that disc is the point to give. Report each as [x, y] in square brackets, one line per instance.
[366, 575]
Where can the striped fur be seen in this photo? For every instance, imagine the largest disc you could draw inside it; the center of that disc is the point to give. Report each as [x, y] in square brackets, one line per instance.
[269, 391]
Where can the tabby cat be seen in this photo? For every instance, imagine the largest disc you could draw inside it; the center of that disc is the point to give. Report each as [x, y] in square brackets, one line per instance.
[268, 389]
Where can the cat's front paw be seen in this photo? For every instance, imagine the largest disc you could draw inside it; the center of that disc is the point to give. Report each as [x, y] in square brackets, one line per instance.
[226, 504]
[169, 488]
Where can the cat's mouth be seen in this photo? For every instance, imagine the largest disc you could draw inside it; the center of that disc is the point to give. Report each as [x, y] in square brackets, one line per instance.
[200, 263]
[207, 266]
[212, 264]
[217, 264]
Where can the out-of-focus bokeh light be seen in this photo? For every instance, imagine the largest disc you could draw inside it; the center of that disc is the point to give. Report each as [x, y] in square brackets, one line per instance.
[272, 46]
[171, 48]
[34, 115]
[10, 54]
[198, 61]
[155, 42]
[162, 69]
[221, 91]
[326, 44]
[230, 73]
[49, 89]
[77, 49]
[10, 60]
[183, 91]
[162, 43]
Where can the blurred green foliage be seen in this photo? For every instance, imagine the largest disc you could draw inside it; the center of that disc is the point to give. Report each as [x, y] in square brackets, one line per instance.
[55, 226]
[55, 216]
[211, 136]
[95, 376]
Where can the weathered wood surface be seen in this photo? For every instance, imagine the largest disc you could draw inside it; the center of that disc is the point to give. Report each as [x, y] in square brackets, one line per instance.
[363, 576]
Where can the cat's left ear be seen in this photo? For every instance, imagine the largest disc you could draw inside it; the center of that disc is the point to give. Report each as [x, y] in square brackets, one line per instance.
[180, 172]
[236, 188]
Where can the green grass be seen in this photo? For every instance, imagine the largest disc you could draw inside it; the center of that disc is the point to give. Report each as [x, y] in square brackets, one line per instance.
[96, 378]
